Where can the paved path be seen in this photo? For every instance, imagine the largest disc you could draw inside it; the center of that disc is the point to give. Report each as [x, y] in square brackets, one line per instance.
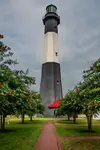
[48, 140]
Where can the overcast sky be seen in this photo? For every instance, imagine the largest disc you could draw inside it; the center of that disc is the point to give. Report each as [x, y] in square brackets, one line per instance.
[79, 35]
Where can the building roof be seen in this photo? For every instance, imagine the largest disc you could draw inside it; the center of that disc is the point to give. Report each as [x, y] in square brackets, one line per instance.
[55, 104]
[51, 5]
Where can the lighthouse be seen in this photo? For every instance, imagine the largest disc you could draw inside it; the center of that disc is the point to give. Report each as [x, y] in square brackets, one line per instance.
[51, 85]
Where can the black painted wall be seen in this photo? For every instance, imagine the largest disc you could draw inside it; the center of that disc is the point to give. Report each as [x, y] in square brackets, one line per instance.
[51, 25]
[51, 86]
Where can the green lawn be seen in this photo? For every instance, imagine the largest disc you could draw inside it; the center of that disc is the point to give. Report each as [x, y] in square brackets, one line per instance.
[81, 144]
[77, 131]
[24, 136]
[67, 128]
[21, 136]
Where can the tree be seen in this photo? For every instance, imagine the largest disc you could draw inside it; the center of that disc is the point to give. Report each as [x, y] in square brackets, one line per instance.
[37, 106]
[90, 92]
[85, 98]
[14, 86]
[5, 75]
[70, 105]
[23, 94]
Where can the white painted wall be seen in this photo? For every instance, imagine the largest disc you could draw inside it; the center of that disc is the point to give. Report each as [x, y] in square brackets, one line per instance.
[51, 47]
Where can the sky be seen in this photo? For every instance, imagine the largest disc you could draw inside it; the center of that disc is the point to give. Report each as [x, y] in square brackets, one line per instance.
[79, 36]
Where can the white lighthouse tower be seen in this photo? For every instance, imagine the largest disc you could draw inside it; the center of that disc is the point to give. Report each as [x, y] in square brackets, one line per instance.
[51, 86]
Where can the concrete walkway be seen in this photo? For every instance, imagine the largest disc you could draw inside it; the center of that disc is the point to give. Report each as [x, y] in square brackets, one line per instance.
[48, 140]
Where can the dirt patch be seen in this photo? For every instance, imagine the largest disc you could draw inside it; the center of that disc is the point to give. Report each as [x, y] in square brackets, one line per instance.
[80, 137]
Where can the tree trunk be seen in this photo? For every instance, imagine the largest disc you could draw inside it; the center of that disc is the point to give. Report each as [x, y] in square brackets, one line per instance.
[23, 115]
[30, 118]
[3, 122]
[89, 121]
[68, 117]
[74, 119]
[18, 116]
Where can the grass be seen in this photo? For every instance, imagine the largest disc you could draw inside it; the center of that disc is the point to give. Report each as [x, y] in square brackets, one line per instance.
[24, 136]
[21, 136]
[78, 122]
[81, 144]
[67, 128]
[77, 131]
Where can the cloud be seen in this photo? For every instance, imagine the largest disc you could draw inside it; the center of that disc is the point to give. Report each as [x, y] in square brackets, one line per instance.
[79, 33]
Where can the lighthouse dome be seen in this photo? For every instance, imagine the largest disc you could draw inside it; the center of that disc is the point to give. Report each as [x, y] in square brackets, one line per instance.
[51, 8]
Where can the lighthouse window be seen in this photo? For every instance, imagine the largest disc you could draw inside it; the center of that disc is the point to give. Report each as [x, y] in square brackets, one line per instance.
[56, 53]
[51, 8]
[57, 82]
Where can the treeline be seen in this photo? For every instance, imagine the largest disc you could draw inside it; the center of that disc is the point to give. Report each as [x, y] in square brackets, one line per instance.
[16, 98]
[84, 98]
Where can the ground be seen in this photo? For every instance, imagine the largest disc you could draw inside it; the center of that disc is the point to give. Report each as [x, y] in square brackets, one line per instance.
[21, 136]
[40, 133]
[76, 137]
[48, 139]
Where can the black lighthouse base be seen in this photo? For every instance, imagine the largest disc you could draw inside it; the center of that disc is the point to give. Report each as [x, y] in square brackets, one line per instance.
[51, 86]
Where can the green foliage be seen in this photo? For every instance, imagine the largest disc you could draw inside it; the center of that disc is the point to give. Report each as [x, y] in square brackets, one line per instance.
[70, 105]
[15, 96]
[90, 88]
[85, 98]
